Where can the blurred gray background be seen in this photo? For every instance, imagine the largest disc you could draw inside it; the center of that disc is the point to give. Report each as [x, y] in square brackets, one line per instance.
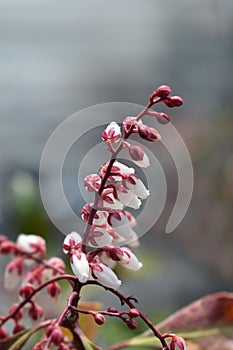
[58, 57]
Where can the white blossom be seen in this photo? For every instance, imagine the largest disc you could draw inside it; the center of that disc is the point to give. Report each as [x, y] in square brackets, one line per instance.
[106, 277]
[80, 267]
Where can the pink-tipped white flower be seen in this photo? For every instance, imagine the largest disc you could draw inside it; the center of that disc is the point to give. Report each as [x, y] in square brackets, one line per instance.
[31, 243]
[118, 170]
[99, 237]
[121, 225]
[129, 260]
[110, 202]
[99, 216]
[105, 276]
[107, 260]
[134, 184]
[72, 241]
[124, 195]
[112, 132]
[80, 266]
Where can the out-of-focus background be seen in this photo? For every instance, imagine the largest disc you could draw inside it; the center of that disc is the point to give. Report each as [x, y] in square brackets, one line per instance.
[58, 57]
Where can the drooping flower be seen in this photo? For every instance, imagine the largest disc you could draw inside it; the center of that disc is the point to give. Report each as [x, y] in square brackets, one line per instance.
[13, 274]
[121, 225]
[105, 276]
[129, 259]
[80, 266]
[136, 185]
[99, 237]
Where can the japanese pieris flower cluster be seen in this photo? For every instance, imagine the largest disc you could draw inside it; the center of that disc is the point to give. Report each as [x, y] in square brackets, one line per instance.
[108, 223]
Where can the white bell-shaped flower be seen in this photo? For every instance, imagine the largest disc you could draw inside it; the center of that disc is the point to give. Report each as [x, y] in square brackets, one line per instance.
[138, 187]
[80, 267]
[121, 225]
[129, 260]
[105, 276]
[99, 237]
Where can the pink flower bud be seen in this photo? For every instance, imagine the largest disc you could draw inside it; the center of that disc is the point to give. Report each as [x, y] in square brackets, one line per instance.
[3, 334]
[54, 290]
[112, 132]
[162, 118]
[80, 267]
[131, 123]
[19, 315]
[99, 319]
[132, 324]
[7, 247]
[39, 346]
[57, 336]
[18, 328]
[136, 152]
[133, 313]
[176, 343]
[148, 133]
[49, 330]
[162, 91]
[177, 101]
[35, 312]
[26, 290]
[138, 156]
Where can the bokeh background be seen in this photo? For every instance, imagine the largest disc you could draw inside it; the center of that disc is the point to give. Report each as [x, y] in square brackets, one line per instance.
[58, 57]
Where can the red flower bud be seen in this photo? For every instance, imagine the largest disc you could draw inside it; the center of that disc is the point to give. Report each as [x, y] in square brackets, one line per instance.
[177, 101]
[3, 334]
[99, 319]
[132, 324]
[35, 312]
[18, 328]
[26, 290]
[133, 313]
[57, 336]
[163, 91]
[148, 133]
[54, 291]
[18, 316]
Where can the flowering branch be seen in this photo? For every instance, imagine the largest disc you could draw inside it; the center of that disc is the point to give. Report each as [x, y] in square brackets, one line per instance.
[94, 255]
